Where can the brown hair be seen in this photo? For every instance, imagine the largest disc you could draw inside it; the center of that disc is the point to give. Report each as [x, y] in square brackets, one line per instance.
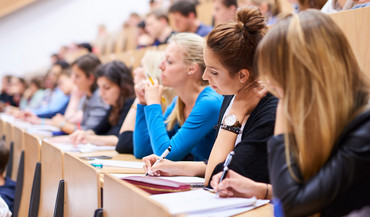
[309, 57]
[237, 41]
[4, 156]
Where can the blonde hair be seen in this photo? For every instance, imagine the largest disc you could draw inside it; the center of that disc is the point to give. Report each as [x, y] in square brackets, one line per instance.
[151, 61]
[192, 45]
[311, 60]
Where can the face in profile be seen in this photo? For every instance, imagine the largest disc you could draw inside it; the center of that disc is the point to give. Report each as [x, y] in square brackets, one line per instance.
[80, 79]
[218, 76]
[153, 26]
[109, 91]
[174, 70]
[65, 84]
[181, 22]
[221, 13]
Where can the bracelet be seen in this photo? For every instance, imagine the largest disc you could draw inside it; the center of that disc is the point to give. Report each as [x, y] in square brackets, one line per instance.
[267, 191]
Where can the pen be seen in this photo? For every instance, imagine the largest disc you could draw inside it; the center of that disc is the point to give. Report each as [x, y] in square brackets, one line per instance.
[151, 81]
[163, 156]
[226, 166]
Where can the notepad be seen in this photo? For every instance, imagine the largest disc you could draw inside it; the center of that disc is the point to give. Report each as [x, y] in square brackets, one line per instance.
[197, 201]
[118, 163]
[83, 148]
[192, 181]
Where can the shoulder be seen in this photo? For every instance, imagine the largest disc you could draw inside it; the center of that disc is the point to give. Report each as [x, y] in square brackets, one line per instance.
[266, 108]
[203, 30]
[209, 98]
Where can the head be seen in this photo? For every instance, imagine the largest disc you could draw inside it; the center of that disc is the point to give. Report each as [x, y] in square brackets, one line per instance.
[156, 22]
[267, 7]
[115, 83]
[84, 72]
[85, 46]
[183, 63]
[149, 64]
[183, 60]
[184, 15]
[65, 83]
[307, 60]
[17, 85]
[36, 84]
[224, 10]
[230, 49]
[4, 157]
[5, 84]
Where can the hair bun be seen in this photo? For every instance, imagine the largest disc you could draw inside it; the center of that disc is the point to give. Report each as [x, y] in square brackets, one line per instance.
[250, 20]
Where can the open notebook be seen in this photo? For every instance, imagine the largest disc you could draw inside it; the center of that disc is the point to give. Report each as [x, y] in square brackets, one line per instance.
[192, 181]
[200, 202]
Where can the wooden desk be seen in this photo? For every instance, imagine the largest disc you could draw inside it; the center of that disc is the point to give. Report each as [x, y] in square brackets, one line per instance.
[18, 139]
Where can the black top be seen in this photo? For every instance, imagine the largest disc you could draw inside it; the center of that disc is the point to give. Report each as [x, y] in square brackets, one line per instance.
[340, 186]
[105, 128]
[250, 159]
[125, 145]
[7, 99]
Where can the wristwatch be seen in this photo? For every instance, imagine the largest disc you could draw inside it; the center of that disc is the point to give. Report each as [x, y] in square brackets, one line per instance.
[231, 124]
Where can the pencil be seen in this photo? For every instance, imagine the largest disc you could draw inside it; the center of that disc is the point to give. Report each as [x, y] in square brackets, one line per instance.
[151, 81]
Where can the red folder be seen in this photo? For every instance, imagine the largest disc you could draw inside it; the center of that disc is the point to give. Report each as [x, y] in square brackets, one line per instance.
[155, 185]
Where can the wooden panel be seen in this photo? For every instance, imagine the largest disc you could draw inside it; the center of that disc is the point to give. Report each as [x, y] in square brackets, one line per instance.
[8, 131]
[51, 174]
[31, 157]
[355, 25]
[9, 6]
[82, 189]
[263, 211]
[18, 139]
[124, 199]
[204, 12]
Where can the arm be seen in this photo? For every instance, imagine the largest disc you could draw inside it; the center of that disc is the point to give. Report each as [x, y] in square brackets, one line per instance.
[200, 122]
[125, 143]
[129, 123]
[83, 137]
[171, 168]
[57, 103]
[346, 168]
[141, 138]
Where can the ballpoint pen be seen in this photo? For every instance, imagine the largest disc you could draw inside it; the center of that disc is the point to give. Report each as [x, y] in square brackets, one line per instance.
[163, 156]
[151, 81]
[226, 166]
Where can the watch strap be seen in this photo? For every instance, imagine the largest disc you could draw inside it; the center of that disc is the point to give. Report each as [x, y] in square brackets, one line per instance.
[235, 130]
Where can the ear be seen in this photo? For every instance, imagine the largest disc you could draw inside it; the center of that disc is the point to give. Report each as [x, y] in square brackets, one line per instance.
[243, 75]
[191, 15]
[193, 68]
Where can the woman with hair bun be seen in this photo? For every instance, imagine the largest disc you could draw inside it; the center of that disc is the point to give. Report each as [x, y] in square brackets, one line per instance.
[247, 114]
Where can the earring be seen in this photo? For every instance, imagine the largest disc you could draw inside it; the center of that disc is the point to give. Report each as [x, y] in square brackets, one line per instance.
[189, 73]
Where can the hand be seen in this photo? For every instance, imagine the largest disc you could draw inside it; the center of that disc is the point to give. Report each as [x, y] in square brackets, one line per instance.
[140, 92]
[57, 120]
[163, 168]
[235, 185]
[153, 92]
[247, 99]
[32, 118]
[79, 137]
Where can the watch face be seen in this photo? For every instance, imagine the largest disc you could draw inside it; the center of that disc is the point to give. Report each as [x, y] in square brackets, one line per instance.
[230, 120]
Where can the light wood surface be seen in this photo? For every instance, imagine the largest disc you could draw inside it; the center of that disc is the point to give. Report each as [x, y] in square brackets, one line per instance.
[31, 157]
[18, 139]
[124, 199]
[355, 25]
[9, 6]
[8, 133]
[51, 174]
[263, 211]
[82, 189]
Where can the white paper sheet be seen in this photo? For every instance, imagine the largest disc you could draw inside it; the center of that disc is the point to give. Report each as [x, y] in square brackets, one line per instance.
[192, 181]
[84, 148]
[199, 201]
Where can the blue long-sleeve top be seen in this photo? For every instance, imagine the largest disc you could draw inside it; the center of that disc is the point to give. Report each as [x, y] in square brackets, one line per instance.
[196, 136]
[54, 102]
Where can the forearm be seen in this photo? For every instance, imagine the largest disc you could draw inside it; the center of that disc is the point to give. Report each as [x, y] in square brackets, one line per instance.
[189, 168]
[102, 140]
[129, 123]
[68, 128]
[223, 145]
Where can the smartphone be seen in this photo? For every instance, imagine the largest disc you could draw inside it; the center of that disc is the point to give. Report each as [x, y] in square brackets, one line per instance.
[96, 157]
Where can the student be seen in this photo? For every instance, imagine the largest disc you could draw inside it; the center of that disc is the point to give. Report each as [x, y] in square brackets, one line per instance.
[184, 15]
[94, 109]
[319, 158]
[157, 25]
[5, 95]
[187, 124]
[333, 6]
[149, 64]
[17, 88]
[270, 9]
[224, 11]
[33, 95]
[4, 209]
[7, 186]
[229, 57]
[117, 90]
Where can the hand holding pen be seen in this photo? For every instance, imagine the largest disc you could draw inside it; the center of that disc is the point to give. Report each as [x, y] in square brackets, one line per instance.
[156, 84]
[226, 166]
[163, 156]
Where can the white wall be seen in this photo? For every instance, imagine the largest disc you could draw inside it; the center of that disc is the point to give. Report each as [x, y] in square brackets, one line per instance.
[29, 36]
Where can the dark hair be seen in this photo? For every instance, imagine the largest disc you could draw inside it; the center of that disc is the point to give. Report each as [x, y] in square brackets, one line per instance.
[184, 7]
[229, 3]
[38, 81]
[4, 156]
[63, 64]
[86, 46]
[118, 73]
[235, 43]
[88, 63]
[159, 14]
